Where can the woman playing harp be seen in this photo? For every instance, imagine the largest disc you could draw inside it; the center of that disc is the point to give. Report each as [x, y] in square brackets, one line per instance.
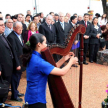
[38, 69]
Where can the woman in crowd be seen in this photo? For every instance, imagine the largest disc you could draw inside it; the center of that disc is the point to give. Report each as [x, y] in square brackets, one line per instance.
[94, 40]
[32, 29]
[37, 70]
[102, 20]
[105, 35]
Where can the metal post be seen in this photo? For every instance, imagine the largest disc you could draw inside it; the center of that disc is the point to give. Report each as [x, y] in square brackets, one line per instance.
[89, 4]
[35, 6]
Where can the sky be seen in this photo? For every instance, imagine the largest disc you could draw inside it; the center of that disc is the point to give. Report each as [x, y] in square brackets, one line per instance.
[72, 6]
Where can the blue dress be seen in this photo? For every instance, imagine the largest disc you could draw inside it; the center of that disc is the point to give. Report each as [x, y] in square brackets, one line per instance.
[37, 74]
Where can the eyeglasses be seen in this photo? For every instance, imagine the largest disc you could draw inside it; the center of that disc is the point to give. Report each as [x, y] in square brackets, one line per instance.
[2, 25]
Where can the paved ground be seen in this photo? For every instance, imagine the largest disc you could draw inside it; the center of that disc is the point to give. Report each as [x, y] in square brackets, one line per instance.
[95, 81]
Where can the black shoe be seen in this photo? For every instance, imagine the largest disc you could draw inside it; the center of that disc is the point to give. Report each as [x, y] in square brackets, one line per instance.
[74, 65]
[85, 63]
[20, 94]
[91, 61]
[9, 89]
[17, 99]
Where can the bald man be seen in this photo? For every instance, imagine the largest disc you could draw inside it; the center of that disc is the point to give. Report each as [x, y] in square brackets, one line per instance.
[15, 38]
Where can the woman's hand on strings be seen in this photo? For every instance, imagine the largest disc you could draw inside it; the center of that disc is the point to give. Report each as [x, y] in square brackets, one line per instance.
[0, 73]
[68, 56]
[73, 59]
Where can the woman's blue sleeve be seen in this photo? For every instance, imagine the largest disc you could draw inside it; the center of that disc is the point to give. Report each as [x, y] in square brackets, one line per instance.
[46, 67]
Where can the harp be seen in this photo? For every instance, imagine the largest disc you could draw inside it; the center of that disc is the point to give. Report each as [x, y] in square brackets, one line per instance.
[58, 91]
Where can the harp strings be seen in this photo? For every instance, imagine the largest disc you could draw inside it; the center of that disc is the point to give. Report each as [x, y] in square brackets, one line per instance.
[75, 71]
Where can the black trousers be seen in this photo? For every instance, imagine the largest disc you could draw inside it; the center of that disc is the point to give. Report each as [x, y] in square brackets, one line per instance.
[37, 105]
[93, 52]
[85, 51]
[16, 76]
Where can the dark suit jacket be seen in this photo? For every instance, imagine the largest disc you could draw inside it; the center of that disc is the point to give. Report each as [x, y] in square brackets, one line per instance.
[78, 22]
[62, 34]
[69, 22]
[93, 38]
[70, 25]
[6, 61]
[17, 48]
[88, 30]
[42, 21]
[24, 29]
[25, 36]
[49, 34]
[31, 17]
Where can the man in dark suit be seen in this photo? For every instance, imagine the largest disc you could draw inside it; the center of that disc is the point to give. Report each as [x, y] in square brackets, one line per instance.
[87, 35]
[48, 30]
[73, 20]
[7, 60]
[15, 38]
[62, 29]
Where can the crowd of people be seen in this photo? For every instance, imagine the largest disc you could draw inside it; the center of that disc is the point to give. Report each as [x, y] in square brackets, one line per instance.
[16, 31]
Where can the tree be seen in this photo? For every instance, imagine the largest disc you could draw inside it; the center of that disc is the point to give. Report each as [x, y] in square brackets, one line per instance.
[105, 7]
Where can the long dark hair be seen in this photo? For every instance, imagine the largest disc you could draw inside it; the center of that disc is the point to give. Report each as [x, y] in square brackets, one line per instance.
[103, 17]
[28, 49]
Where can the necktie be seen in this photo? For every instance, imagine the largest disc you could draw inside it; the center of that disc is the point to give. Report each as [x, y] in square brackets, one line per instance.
[20, 38]
[62, 26]
[49, 27]
[85, 23]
